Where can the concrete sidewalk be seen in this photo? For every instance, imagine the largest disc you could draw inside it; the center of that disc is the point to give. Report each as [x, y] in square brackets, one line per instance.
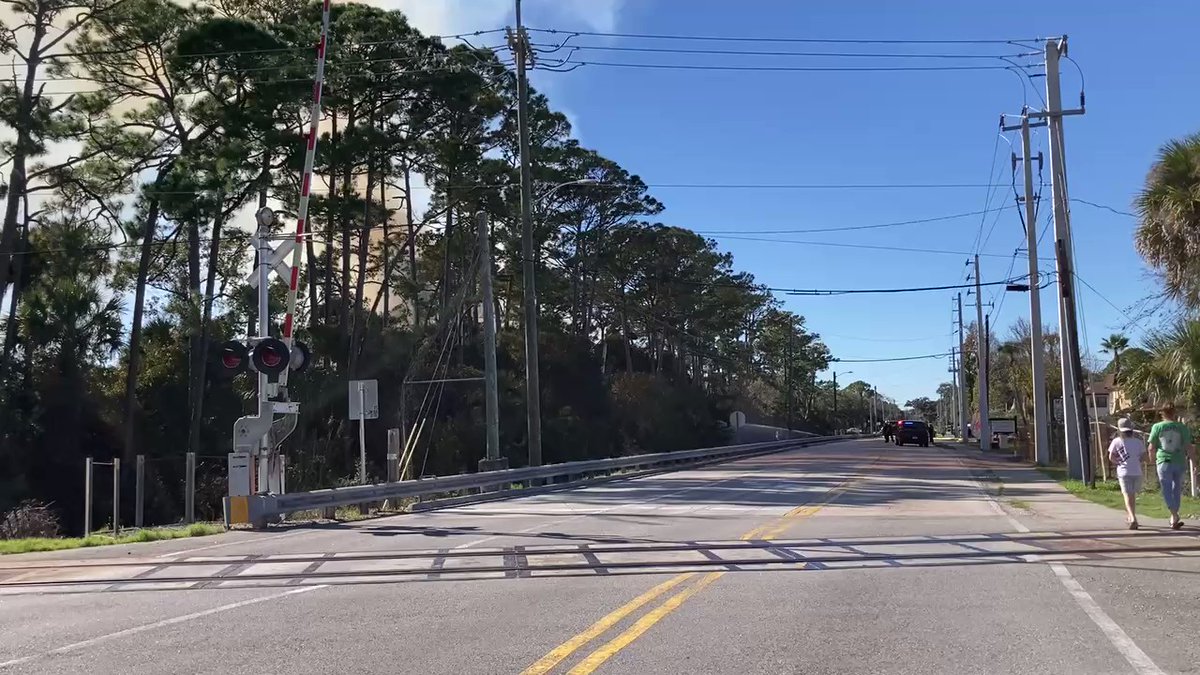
[1031, 496]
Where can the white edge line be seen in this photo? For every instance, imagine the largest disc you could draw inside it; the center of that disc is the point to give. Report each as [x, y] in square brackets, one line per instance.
[157, 624]
[223, 544]
[1141, 662]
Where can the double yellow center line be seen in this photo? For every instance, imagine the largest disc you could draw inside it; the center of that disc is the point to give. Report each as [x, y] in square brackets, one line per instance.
[592, 661]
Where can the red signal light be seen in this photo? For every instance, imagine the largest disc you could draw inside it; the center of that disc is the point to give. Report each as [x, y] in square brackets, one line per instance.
[270, 356]
[233, 357]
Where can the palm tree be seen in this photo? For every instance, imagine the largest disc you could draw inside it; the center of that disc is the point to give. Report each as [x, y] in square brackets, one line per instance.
[1168, 234]
[1172, 371]
[1115, 344]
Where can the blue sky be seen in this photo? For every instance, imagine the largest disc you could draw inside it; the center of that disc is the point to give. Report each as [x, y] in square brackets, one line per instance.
[673, 126]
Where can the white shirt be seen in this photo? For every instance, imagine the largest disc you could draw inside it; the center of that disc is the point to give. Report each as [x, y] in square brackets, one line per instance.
[1127, 453]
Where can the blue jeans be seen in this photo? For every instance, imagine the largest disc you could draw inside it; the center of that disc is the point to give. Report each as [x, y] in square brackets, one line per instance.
[1170, 476]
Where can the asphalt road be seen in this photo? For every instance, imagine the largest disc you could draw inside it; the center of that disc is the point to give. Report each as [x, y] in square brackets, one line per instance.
[856, 557]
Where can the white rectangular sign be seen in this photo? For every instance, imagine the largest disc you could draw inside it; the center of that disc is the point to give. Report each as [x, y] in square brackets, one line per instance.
[240, 475]
[1002, 425]
[364, 396]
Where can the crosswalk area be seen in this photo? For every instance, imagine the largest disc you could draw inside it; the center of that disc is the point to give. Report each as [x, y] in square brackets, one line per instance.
[591, 559]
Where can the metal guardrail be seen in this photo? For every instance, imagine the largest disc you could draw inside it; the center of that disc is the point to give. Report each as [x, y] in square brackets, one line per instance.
[258, 510]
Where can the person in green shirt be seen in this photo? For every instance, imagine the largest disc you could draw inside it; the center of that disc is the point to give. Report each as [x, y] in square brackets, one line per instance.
[1171, 446]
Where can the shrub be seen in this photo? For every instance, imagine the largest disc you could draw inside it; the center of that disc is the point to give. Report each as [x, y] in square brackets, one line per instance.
[29, 519]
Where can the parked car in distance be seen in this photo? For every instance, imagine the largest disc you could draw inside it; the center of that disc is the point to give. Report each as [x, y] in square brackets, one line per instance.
[912, 431]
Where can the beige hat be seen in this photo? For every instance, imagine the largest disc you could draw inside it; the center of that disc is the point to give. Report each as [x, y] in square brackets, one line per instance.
[1124, 424]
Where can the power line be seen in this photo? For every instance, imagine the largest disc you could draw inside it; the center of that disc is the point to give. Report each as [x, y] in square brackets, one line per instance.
[996, 220]
[856, 227]
[1131, 320]
[76, 56]
[1119, 212]
[726, 38]
[687, 186]
[800, 69]
[306, 63]
[866, 339]
[825, 186]
[863, 246]
[915, 289]
[895, 358]
[1002, 293]
[551, 48]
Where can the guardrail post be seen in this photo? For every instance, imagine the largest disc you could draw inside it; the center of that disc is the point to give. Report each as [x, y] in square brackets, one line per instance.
[139, 491]
[87, 497]
[189, 488]
[116, 514]
[393, 455]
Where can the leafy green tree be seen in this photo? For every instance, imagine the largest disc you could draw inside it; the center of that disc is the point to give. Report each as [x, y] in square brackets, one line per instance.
[37, 116]
[193, 115]
[1169, 218]
[925, 407]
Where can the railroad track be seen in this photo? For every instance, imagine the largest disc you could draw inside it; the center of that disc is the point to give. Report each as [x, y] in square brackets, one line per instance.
[242, 571]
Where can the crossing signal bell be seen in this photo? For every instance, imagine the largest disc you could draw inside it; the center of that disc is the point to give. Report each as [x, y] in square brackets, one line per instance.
[299, 358]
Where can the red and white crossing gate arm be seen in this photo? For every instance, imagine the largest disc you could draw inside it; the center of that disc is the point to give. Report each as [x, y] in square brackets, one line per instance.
[306, 184]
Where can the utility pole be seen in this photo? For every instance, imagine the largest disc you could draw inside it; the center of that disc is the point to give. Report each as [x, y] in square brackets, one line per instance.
[533, 405]
[835, 402]
[1041, 416]
[492, 461]
[835, 397]
[1074, 410]
[963, 414]
[985, 432]
[787, 378]
[987, 347]
[954, 414]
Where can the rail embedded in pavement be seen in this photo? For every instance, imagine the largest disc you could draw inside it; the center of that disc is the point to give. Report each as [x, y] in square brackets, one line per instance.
[259, 510]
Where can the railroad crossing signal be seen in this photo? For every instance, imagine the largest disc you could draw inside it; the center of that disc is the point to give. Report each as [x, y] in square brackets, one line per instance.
[269, 356]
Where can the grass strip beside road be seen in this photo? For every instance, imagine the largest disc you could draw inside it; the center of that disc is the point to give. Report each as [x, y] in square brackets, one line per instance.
[1108, 493]
[35, 544]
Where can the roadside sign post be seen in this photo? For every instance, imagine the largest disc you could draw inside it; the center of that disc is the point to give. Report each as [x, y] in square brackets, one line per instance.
[87, 496]
[364, 405]
[116, 524]
[189, 488]
[139, 491]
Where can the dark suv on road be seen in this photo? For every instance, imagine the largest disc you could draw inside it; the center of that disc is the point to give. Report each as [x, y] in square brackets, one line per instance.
[912, 431]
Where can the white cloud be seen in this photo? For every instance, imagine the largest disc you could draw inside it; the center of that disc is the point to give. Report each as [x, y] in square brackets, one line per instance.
[442, 17]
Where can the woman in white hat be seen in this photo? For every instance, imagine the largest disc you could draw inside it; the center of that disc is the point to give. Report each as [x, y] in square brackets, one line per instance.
[1126, 451]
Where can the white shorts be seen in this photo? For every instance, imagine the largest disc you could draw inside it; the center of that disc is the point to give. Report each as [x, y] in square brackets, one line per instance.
[1130, 485]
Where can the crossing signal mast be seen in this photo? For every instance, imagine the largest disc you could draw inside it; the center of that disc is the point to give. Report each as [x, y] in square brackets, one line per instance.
[258, 437]
[255, 465]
